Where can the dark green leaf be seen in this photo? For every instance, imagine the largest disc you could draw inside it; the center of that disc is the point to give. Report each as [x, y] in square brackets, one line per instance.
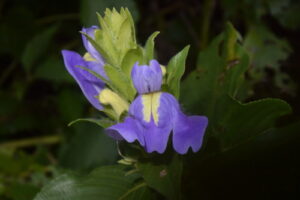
[218, 72]
[19, 191]
[163, 175]
[202, 86]
[241, 122]
[37, 47]
[88, 148]
[109, 183]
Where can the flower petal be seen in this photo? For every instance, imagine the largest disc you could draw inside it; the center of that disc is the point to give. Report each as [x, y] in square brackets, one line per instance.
[188, 132]
[146, 78]
[88, 46]
[129, 130]
[156, 138]
[89, 84]
[151, 112]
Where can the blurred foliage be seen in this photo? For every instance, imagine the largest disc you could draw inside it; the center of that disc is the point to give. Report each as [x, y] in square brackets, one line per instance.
[38, 98]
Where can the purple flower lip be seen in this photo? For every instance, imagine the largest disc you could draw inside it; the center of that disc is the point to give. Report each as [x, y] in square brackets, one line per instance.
[153, 115]
[90, 85]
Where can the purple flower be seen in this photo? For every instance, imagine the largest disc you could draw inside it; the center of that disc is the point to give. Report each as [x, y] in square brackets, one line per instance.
[90, 85]
[153, 115]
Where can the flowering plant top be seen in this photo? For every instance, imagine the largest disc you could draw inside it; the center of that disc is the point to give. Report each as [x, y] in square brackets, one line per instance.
[118, 76]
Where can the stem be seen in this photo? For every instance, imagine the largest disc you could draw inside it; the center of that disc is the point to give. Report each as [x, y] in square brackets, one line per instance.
[32, 141]
[143, 184]
[207, 12]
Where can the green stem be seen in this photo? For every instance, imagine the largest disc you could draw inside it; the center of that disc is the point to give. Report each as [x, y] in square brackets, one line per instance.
[143, 184]
[32, 141]
[207, 11]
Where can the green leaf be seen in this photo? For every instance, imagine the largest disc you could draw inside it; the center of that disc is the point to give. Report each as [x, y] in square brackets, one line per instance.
[109, 183]
[230, 39]
[19, 191]
[89, 147]
[104, 123]
[163, 175]
[149, 47]
[201, 87]
[218, 72]
[212, 88]
[126, 38]
[37, 47]
[120, 81]
[175, 70]
[238, 123]
[235, 71]
[130, 58]
[139, 192]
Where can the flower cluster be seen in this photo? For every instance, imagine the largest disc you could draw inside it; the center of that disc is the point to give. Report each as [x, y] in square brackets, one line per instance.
[152, 116]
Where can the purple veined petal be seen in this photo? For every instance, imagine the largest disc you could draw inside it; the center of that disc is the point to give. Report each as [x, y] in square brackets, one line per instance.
[146, 78]
[89, 84]
[88, 46]
[156, 138]
[188, 131]
[130, 130]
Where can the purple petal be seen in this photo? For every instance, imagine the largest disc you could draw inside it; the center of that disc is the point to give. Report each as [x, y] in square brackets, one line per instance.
[156, 135]
[146, 78]
[89, 84]
[136, 109]
[88, 46]
[188, 132]
[129, 130]
[156, 138]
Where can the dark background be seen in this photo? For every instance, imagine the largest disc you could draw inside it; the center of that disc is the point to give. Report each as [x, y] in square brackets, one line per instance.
[38, 98]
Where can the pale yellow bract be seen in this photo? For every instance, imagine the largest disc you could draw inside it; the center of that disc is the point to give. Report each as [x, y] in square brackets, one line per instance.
[108, 97]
